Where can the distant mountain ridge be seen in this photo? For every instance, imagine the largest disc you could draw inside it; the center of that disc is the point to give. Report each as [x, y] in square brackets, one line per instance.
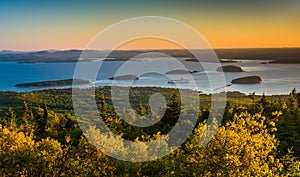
[278, 55]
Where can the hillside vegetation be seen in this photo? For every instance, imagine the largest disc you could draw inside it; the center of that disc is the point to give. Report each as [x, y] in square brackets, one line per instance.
[40, 136]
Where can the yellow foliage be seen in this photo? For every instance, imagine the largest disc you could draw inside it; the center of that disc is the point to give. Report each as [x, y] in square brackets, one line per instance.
[241, 148]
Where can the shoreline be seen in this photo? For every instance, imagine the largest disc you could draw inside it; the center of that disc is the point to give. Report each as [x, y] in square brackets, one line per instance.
[45, 89]
[52, 83]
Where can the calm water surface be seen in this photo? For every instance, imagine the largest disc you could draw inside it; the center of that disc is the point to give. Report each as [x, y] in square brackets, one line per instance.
[277, 78]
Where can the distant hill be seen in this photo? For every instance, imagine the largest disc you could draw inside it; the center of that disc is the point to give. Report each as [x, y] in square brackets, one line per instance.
[278, 55]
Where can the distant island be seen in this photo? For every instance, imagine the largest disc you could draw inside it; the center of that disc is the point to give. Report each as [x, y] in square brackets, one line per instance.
[247, 80]
[221, 60]
[229, 61]
[180, 71]
[66, 82]
[230, 68]
[125, 77]
[277, 55]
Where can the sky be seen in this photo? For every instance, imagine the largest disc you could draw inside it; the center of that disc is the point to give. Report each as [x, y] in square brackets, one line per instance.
[43, 25]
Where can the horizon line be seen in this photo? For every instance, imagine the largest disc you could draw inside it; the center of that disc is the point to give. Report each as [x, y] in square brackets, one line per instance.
[229, 48]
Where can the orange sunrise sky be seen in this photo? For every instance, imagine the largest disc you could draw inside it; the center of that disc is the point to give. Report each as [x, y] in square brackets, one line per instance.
[34, 25]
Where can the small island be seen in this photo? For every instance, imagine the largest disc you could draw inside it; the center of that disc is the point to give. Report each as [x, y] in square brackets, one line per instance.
[264, 62]
[247, 80]
[230, 68]
[181, 71]
[66, 82]
[125, 77]
[192, 60]
[229, 61]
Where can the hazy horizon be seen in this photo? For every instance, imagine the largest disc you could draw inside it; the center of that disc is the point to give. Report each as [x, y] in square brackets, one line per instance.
[69, 49]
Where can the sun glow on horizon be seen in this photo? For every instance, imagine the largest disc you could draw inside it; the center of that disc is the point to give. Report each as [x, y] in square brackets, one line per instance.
[36, 25]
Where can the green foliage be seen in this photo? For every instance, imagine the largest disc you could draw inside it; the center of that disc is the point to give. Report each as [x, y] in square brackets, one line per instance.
[291, 164]
[103, 108]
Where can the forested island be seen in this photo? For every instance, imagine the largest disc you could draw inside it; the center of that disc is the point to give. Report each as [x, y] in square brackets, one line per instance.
[247, 80]
[66, 82]
[125, 77]
[230, 68]
[40, 136]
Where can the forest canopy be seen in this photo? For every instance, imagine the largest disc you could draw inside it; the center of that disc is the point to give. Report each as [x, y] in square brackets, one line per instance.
[40, 136]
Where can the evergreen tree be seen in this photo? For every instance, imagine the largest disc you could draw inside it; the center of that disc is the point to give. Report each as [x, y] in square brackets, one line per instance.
[228, 113]
[10, 118]
[24, 116]
[264, 101]
[252, 96]
[30, 117]
[141, 110]
[293, 100]
[288, 126]
[103, 108]
[41, 122]
[172, 113]
[174, 106]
